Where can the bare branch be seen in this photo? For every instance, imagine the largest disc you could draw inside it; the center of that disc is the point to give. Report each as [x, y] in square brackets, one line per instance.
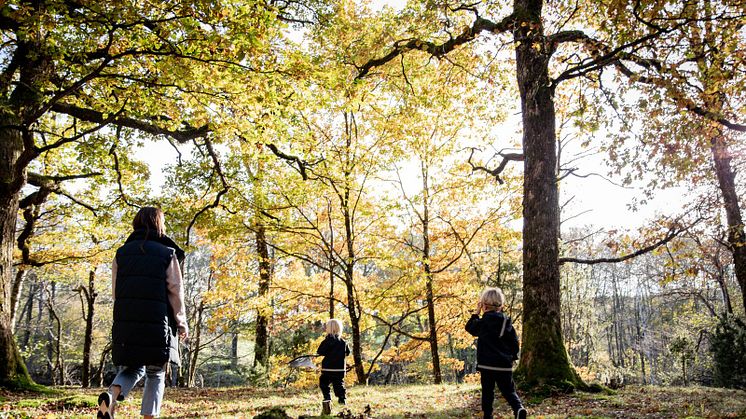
[113, 153]
[507, 157]
[51, 184]
[672, 233]
[302, 164]
[216, 201]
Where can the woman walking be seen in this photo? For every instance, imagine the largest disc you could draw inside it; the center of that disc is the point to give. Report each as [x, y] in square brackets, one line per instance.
[148, 313]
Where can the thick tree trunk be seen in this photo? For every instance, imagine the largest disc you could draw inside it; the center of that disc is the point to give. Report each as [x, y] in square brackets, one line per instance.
[736, 237]
[13, 372]
[724, 290]
[544, 359]
[261, 342]
[261, 351]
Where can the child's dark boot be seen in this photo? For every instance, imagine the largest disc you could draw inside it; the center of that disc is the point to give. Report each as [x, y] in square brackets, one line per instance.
[326, 407]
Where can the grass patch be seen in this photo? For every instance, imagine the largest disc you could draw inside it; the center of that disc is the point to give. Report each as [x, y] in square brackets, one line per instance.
[393, 402]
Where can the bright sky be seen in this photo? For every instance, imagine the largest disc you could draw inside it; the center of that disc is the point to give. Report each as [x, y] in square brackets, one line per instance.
[601, 203]
[607, 204]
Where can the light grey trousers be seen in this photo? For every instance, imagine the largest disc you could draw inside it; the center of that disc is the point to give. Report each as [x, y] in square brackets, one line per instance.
[155, 382]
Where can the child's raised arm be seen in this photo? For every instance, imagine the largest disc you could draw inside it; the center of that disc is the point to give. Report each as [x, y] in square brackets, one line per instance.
[323, 348]
[474, 325]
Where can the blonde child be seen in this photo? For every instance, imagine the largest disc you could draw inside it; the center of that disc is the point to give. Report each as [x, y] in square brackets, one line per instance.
[497, 348]
[334, 349]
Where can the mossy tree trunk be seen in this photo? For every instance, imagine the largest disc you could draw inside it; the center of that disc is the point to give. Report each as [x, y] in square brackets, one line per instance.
[18, 108]
[13, 372]
[544, 359]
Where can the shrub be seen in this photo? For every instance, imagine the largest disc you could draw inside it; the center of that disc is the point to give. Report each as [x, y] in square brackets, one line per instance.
[729, 352]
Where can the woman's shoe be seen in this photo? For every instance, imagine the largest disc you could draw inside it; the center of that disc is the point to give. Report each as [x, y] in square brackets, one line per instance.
[104, 404]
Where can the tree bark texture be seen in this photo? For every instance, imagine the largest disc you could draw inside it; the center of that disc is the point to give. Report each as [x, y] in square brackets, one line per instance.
[331, 282]
[544, 359]
[15, 296]
[261, 353]
[13, 372]
[90, 299]
[736, 237]
[429, 295]
[352, 304]
[193, 354]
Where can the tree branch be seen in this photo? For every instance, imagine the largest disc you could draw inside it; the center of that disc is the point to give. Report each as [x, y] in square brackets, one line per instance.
[113, 153]
[507, 157]
[616, 57]
[216, 201]
[678, 96]
[303, 165]
[672, 233]
[51, 184]
[187, 134]
[436, 50]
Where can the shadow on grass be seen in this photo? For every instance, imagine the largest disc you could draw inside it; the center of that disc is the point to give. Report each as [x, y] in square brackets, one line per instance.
[33, 391]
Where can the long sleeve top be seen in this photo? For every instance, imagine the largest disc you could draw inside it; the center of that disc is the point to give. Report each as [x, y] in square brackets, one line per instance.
[334, 349]
[497, 341]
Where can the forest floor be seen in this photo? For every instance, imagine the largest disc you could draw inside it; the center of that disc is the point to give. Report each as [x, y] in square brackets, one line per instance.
[414, 401]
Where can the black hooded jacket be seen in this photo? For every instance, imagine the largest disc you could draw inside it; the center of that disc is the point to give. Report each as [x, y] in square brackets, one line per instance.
[497, 341]
[144, 330]
[334, 350]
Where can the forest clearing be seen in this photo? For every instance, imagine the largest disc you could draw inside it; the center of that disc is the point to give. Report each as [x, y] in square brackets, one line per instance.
[429, 203]
[413, 401]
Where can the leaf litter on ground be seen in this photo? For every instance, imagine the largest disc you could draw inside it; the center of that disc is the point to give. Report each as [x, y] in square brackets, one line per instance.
[389, 402]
